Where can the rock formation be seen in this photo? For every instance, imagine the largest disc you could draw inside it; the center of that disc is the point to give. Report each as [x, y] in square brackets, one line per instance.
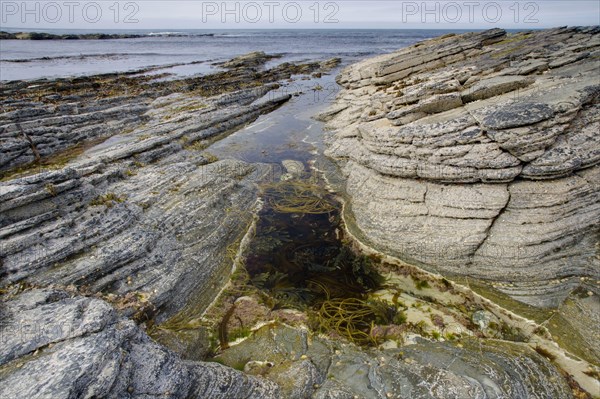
[476, 155]
[311, 367]
[112, 213]
[64, 346]
[114, 217]
[84, 36]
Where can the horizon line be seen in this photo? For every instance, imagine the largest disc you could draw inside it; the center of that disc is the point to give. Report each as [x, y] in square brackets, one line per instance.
[4, 29]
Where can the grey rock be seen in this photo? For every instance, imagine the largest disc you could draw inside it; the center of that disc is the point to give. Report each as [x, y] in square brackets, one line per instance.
[80, 347]
[132, 224]
[567, 60]
[293, 168]
[483, 318]
[253, 60]
[515, 115]
[492, 87]
[466, 155]
[492, 369]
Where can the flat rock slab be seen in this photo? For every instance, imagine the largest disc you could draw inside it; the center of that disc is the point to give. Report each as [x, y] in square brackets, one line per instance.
[495, 86]
[308, 366]
[515, 115]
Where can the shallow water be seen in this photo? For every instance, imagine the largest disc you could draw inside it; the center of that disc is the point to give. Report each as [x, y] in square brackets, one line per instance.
[288, 132]
[299, 258]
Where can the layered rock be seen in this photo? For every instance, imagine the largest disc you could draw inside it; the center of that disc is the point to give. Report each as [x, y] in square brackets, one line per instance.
[47, 118]
[477, 155]
[63, 346]
[312, 367]
[146, 211]
[121, 218]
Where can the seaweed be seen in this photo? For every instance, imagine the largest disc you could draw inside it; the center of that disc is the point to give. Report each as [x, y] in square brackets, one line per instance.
[108, 200]
[545, 352]
[298, 196]
[354, 318]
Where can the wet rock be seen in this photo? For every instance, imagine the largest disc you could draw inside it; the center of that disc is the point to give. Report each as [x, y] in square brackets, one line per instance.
[460, 157]
[46, 134]
[250, 60]
[331, 63]
[294, 169]
[247, 312]
[483, 319]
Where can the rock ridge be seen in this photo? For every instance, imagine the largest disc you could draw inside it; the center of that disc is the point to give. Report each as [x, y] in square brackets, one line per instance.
[501, 131]
[114, 218]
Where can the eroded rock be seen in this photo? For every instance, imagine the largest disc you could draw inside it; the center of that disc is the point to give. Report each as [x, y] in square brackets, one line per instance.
[59, 346]
[474, 155]
[320, 368]
[122, 220]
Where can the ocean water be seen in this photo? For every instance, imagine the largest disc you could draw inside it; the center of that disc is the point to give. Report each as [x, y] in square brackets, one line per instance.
[194, 53]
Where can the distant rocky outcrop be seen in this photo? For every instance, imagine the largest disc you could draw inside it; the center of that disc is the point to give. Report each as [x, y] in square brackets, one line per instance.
[250, 60]
[92, 36]
[476, 155]
[52, 36]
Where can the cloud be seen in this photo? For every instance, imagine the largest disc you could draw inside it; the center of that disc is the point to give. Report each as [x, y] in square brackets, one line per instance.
[392, 14]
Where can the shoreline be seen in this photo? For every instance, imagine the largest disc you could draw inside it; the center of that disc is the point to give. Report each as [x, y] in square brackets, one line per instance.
[4, 35]
[145, 230]
[149, 220]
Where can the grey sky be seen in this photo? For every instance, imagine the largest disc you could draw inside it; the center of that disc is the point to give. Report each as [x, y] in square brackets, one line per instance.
[281, 14]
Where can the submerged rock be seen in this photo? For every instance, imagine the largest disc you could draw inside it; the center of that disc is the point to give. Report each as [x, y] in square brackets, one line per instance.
[476, 155]
[294, 169]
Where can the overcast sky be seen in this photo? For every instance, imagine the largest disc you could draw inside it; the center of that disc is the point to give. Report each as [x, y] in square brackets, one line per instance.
[299, 14]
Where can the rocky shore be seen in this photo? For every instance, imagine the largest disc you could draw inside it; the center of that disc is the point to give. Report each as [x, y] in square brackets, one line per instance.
[476, 155]
[82, 36]
[110, 201]
[122, 235]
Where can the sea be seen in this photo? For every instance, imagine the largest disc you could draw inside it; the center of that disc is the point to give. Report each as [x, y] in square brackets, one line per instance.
[191, 52]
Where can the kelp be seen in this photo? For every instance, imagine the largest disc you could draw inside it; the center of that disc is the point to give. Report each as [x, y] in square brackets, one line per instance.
[303, 275]
[299, 259]
[360, 266]
[298, 196]
[354, 318]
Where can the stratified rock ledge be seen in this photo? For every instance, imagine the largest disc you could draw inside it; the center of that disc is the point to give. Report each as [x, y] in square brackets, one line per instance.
[476, 155]
[113, 218]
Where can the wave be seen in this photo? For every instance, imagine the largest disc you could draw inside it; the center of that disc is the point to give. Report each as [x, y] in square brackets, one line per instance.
[263, 34]
[166, 33]
[179, 34]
